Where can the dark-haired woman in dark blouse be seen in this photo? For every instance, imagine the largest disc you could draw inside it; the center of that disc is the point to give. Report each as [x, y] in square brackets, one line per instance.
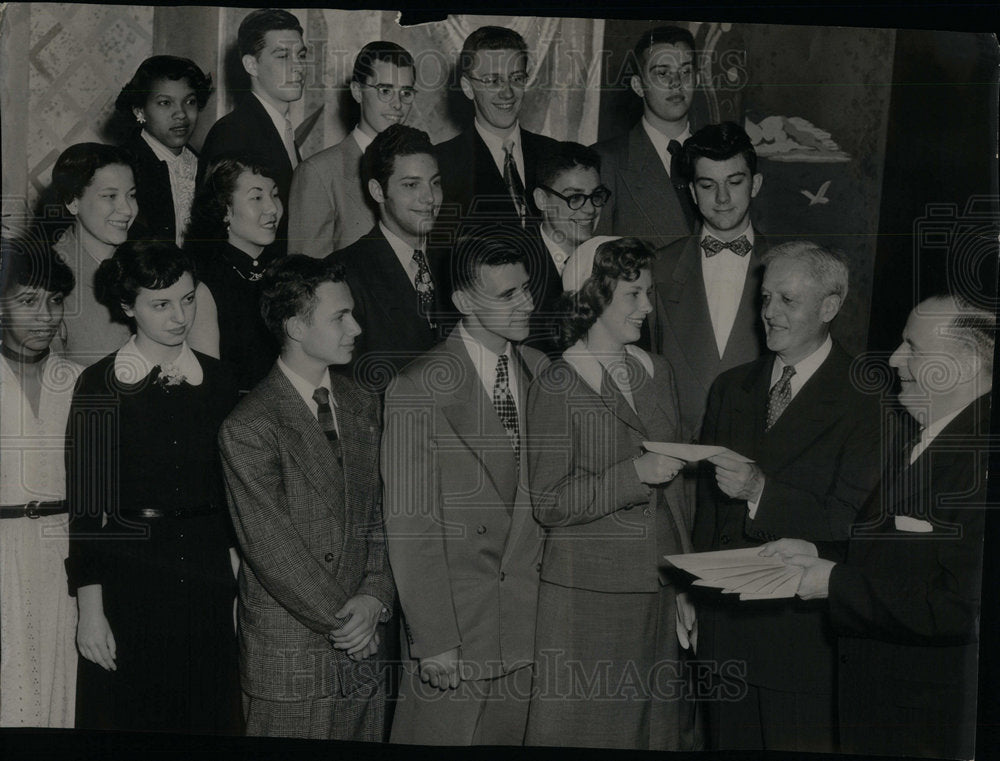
[150, 558]
[161, 104]
[234, 221]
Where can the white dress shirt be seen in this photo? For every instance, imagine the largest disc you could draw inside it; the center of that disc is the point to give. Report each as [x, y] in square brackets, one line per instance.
[661, 141]
[278, 119]
[725, 275]
[361, 138]
[404, 253]
[559, 256]
[494, 143]
[485, 362]
[306, 389]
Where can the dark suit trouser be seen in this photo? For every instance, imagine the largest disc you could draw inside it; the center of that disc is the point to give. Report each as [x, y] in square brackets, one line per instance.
[358, 716]
[766, 719]
[478, 712]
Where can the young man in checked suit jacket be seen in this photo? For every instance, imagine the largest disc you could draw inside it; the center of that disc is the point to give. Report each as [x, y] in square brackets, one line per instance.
[301, 460]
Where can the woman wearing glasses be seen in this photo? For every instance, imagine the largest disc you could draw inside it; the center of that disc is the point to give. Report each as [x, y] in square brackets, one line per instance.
[328, 206]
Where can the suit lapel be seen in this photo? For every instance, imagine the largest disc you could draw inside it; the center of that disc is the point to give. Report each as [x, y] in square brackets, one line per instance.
[304, 440]
[475, 421]
[353, 189]
[359, 442]
[747, 314]
[686, 307]
[271, 143]
[648, 183]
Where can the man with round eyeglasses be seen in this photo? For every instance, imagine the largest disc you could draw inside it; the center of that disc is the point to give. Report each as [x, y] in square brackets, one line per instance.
[328, 207]
[488, 170]
[649, 197]
[569, 196]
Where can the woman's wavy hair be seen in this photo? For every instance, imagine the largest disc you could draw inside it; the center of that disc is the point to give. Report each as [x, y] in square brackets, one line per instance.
[614, 260]
[135, 265]
[215, 194]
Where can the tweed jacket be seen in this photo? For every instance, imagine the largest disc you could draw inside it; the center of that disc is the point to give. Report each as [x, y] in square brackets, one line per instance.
[309, 543]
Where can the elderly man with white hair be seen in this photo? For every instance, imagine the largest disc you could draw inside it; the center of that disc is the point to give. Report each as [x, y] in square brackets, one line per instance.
[906, 602]
[812, 441]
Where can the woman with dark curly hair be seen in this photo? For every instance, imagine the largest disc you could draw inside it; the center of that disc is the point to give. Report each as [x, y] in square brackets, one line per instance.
[150, 538]
[612, 511]
[162, 103]
[234, 220]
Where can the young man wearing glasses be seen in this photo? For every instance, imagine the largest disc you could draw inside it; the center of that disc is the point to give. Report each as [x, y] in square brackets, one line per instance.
[648, 198]
[569, 196]
[328, 206]
[488, 169]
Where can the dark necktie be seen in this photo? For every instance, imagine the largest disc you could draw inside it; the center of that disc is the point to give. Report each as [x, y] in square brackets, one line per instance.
[512, 179]
[503, 403]
[712, 246]
[424, 285]
[779, 396]
[325, 414]
[680, 183]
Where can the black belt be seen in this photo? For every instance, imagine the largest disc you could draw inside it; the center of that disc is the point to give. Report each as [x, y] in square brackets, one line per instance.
[33, 509]
[155, 512]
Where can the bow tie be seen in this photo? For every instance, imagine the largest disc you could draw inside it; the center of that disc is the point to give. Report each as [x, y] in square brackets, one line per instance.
[741, 246]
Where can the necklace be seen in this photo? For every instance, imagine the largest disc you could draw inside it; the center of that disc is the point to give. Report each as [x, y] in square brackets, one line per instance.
[23, 359]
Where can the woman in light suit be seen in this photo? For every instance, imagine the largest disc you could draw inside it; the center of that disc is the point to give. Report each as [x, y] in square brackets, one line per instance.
[609, 672]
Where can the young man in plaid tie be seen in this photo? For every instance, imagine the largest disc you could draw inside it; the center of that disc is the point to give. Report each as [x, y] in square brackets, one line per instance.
[463, 544]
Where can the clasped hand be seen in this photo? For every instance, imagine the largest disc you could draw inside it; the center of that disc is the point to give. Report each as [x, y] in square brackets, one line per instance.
[815, 581]
[358, 635]
[738, 479]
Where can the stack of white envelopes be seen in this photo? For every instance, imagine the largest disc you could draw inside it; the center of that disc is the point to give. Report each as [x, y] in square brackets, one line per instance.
[744, 572]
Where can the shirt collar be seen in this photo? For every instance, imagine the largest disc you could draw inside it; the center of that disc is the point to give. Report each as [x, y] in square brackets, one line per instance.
[559, 256]
[165, 154]
[277, 117]
[131, 365]
[589, 367]
[304, 387]
[661, 141]
[361, 138]
[483, 358]
[403, 250]
[495, 143]
[804, 368]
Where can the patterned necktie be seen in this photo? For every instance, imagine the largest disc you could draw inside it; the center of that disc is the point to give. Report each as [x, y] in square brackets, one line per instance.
[512, 179]
[503, 403]
[424, 285]
[779, 396]
[325, 414]
[741, 246]
[289, 141]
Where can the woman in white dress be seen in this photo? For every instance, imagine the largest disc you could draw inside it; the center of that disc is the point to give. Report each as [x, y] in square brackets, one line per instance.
[37, 615]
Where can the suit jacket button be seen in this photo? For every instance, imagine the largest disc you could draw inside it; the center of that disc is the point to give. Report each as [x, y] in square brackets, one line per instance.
[724, 539]
[329, 557]
[538, 567]
[480, 530]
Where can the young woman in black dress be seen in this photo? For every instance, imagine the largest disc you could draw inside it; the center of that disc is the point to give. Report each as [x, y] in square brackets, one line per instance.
[234, 221]
[150, 559]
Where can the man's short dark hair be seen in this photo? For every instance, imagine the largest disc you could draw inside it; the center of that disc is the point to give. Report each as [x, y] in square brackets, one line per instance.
[564, 157]
[487, 247]
[250, 37]
[488, 38]
[661, 35]
[288, 289]
[379, 50]
[717, 142]
[396, 140]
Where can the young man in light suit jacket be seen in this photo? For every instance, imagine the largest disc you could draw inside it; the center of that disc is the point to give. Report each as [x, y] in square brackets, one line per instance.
[329, 207]
[461, 536]
[300, 456]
